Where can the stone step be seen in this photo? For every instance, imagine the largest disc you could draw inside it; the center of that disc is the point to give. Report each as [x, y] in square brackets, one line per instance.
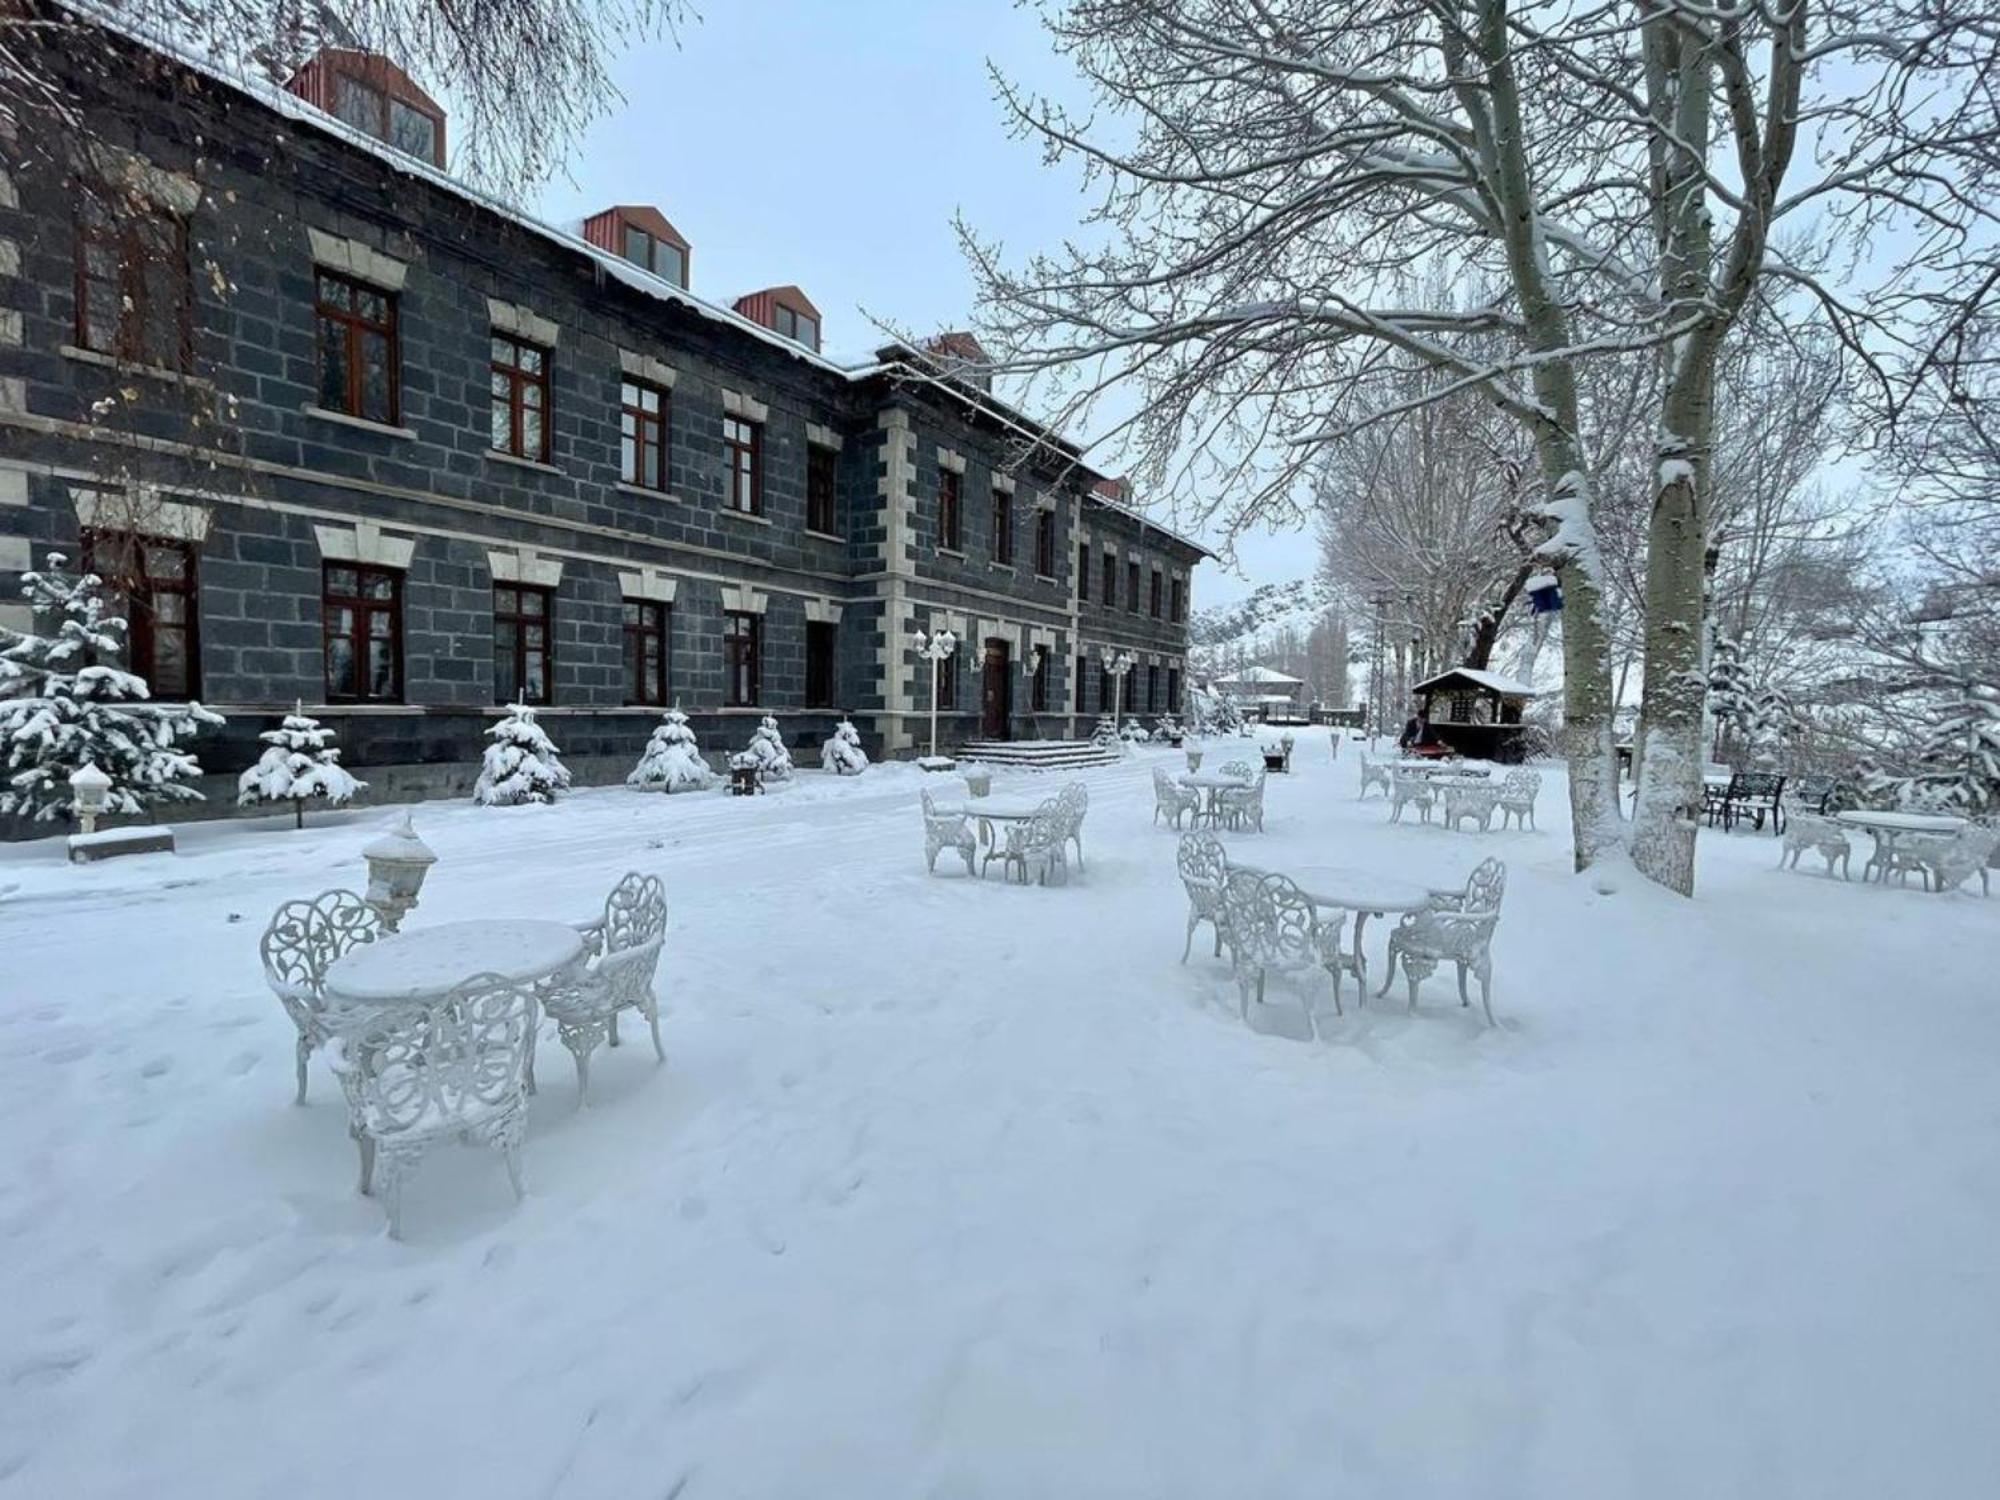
[1039, 755]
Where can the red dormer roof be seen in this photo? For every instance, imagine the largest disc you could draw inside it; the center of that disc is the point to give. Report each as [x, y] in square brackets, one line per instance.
[318, 83]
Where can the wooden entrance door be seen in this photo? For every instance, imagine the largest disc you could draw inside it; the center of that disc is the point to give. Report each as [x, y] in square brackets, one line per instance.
[996, 700]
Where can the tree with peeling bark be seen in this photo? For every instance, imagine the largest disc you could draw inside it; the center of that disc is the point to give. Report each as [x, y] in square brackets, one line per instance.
[1278, 184]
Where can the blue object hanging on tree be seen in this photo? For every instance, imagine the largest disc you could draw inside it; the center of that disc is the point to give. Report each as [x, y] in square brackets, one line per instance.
[1545, 595]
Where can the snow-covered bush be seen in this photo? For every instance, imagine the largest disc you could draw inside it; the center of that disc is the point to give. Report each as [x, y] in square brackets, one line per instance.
[842, 753]
[64, 701]
[521, 765]
[302, 765]
[672, 760]
[1167, 728]
[1106, 732]
[767, 749]
[1133, 732]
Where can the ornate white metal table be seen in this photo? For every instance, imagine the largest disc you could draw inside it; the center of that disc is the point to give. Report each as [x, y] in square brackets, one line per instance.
[988, 811]
[1362, 892]
[426, 962]
[1888, 827]
[1212, 784]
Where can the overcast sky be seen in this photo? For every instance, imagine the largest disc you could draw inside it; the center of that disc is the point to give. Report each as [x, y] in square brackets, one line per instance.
[829, 144]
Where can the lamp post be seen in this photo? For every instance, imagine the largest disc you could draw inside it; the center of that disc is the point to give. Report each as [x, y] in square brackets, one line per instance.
[91, 790]
[397, 863]
[935, 649]
[1119, 665]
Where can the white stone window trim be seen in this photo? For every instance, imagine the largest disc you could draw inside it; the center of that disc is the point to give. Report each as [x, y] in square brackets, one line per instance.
[175, 191]
[141, 510]
[1045, 501]
[364, 542]
[649, 584]
[525, 565]
[360, 261]
[645, 367]
[360, 424]
[823, 611]
[749, 408]
[823, 437]
[741, 599]
[522, 322]
[1004, 483]
[947, 459]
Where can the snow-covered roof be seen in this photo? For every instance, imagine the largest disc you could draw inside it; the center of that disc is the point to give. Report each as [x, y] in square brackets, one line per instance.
[1493, 682]
[1263, 674]
[884, 362]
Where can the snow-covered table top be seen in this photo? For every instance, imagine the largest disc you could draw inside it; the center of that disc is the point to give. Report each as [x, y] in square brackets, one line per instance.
[1357, 890]
[427, 961]
[1896, 822]
[1213, 781]
[998, 808]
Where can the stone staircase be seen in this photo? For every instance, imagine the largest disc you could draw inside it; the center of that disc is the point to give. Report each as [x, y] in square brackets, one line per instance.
[1038, 755]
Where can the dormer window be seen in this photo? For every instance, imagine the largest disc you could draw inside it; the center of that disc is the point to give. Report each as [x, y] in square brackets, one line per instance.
[800, 328]
[662, 257]
[376, 97]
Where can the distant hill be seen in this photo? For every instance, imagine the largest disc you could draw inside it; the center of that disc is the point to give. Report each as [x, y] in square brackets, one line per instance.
[1247, 623]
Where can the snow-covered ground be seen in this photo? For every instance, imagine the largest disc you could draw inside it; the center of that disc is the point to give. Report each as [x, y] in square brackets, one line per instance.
[960, 1189]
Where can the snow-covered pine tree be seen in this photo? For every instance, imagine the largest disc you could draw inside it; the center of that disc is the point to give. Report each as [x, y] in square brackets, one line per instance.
[1730, 697]
[302, 765]
[767, 748]
[842, 753]
[1773, 724]
[521, 765]
[672, 761]
[1958, 768]
[64, 701]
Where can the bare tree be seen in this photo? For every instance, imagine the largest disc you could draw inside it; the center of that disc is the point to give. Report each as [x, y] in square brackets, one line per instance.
[1279, 181]
[524, 77]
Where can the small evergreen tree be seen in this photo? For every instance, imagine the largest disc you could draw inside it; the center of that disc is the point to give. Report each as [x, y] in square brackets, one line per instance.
[521, 765]
[1773, 724]
[1731, 699]
[672, 760]
[842, 753]
[65, 701]
[301, 765]
[1958, 767]
[767, 749]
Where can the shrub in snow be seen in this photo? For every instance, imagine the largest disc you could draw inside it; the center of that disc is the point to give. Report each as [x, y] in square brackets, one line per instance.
[521, 765]
[767, 750]
[64, 701]
[1773, 726]
[842, 753]
[1731, 699]
[302, 765]
[1167, 728]
[672, 761]
[1958, 768]
[1106, 732]
[1133, 732]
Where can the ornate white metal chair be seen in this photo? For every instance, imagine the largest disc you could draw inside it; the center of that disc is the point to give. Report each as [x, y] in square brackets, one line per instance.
[947, 830]
[418, 1074]
[1204, 868]
[1457, 928]
[1240, 769]
[1518, 790]
[1171, 799]
[621, 963]
[1805, 831]
[1408, 788]
[1470, 803]
[299, 946]
[1074, 801]
[1243, 808]
[1374, 773]
[1273, 928]
[1947, 861]
[1036, 847]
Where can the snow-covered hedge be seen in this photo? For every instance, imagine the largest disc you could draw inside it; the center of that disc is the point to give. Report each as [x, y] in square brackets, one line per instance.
[767, 750]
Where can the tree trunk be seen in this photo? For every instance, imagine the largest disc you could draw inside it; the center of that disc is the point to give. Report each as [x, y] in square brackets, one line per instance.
[1487, 633]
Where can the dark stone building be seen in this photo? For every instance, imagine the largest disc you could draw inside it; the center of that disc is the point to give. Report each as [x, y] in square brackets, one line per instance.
[342, 430]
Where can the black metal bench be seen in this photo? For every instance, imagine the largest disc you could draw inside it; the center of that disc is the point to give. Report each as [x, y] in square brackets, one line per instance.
[1750, 794]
